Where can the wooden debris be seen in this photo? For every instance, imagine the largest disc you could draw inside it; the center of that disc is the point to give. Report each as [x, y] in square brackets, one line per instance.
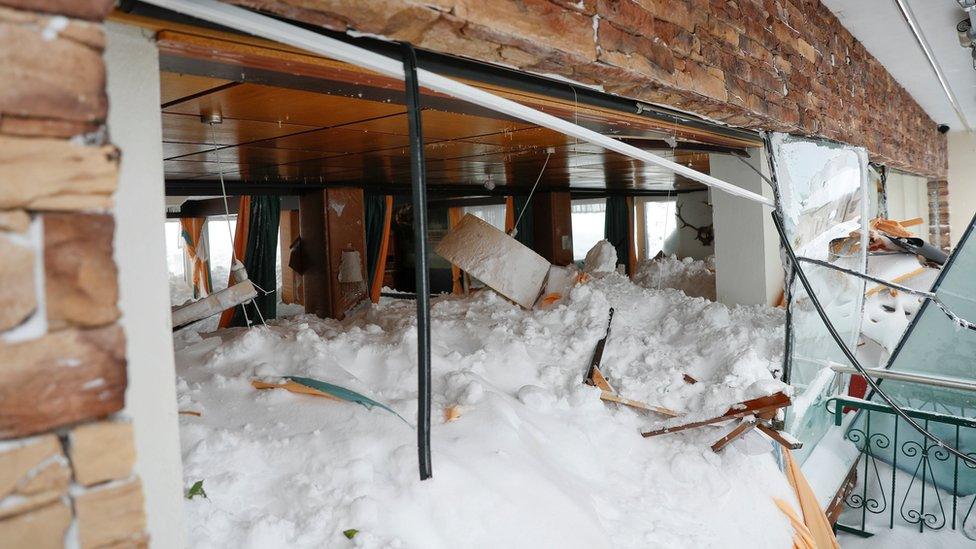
[786, 440]
[611, 397]
[102, 451]
[293, 387]
[742, 428]
[763, 407]
[452, 413]
[688, 379]
[190, 413]
[897, 280]
[598, 380]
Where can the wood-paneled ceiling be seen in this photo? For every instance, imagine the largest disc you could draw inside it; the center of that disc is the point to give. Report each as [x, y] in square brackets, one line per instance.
[330, 134]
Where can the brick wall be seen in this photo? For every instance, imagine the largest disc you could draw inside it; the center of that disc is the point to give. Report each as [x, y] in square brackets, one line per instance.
[772, 64]
[64, 458]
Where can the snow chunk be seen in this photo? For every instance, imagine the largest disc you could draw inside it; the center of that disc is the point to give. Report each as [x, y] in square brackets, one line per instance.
[602, 258]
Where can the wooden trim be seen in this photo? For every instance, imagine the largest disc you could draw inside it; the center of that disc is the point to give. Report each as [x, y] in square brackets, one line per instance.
[378, 274]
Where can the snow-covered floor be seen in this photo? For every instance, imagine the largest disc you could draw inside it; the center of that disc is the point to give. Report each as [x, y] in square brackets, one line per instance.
[535, 458]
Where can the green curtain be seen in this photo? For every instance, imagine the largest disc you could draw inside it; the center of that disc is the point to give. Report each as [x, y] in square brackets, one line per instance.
[260, 257]
[615, 227]
[375, 213]
[524, 228]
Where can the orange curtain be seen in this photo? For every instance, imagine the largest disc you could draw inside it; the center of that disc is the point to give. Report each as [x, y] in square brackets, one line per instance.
[374, 292]
[240, 246]
[192, 230]
[453, 218]
[509, 214]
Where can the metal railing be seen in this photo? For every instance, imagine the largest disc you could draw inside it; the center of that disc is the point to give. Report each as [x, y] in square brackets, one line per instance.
[931, 499]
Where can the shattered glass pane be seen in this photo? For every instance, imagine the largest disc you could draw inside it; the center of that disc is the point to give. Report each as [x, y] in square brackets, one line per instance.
[823, 199]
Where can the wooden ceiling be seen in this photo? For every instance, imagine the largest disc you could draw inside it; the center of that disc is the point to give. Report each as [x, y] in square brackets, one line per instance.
[337, 134]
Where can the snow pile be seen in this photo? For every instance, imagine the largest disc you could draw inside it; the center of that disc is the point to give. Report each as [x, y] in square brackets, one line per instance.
[535, 458]
[602, 258]
[694, 277]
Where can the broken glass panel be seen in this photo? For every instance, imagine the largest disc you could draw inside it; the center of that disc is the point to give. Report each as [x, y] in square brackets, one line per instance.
[822, 191]
[936, 346]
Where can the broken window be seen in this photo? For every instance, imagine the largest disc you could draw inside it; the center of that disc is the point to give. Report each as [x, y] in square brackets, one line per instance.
[822, 191]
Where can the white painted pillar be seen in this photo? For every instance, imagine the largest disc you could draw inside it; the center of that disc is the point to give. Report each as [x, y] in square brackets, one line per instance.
[748, 269]
[140, 253]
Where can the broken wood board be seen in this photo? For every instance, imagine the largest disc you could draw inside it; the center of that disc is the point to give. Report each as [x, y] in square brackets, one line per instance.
[897, 280]
[501, 262]
[293, 387]
[741, 429]
[784, 439]
[763, 407]
[610, 397]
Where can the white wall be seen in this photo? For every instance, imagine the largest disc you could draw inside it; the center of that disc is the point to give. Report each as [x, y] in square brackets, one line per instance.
[140, 252]
[696, 210]
[748, 269]
[907, 197]
[962, 182]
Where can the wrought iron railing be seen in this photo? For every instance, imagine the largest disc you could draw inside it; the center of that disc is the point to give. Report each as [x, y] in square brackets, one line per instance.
[938, 480]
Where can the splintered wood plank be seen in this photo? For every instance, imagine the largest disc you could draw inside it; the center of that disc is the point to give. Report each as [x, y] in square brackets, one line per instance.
[786, 441]
[597, 379]
[742, 428]
[61, 378]
[758, 407]
[610, 397]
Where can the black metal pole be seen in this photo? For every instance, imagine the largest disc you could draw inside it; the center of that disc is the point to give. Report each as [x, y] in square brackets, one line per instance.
[418, 186]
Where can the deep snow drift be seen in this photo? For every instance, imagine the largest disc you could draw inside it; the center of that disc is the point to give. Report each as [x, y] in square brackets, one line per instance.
[535, 458]
[694, 277]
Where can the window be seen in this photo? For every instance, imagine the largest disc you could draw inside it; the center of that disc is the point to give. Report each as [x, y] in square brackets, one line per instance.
[589, 218]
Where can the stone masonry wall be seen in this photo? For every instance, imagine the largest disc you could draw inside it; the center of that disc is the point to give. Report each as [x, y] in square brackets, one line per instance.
[784, 65]
[65, 459]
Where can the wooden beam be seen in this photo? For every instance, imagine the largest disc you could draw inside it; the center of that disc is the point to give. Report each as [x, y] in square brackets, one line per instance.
[314, 254]
[760, 407]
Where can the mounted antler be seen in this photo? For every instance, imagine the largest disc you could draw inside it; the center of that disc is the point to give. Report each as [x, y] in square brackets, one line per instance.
[706, 233]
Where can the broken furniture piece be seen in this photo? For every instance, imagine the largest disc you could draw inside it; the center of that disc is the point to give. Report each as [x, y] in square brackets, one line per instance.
[596, 378]
[501, 262]
[242, 291]
[757, 413]
[315, 387]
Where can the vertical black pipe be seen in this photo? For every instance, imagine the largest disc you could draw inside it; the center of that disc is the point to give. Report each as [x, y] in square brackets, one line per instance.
[418, 186]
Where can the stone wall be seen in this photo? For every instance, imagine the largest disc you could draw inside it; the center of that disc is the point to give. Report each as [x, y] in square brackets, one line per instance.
[785, 65]
[65, 460]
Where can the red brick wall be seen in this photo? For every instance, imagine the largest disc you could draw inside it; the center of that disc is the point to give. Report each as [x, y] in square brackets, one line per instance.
[772, 64]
